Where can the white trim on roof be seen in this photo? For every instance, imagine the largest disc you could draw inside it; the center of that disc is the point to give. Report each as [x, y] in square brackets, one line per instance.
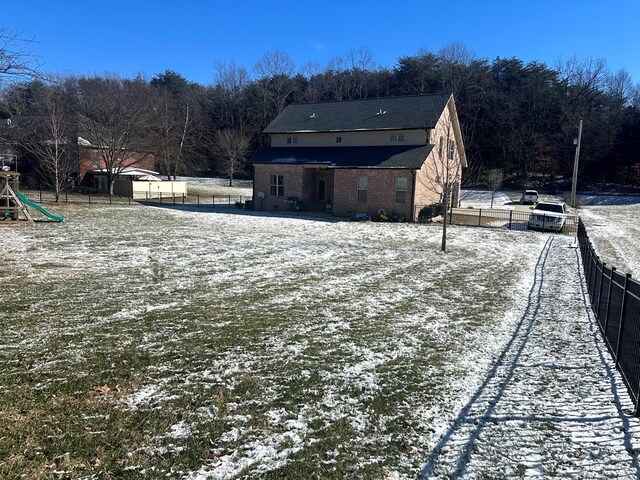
[127, 171]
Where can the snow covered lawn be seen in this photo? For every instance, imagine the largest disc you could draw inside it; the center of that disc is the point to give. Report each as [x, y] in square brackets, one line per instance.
[239, 345]
[613, 225]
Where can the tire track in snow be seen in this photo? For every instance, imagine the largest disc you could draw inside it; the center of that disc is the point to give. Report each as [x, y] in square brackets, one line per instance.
[454, 448]
[549, 406]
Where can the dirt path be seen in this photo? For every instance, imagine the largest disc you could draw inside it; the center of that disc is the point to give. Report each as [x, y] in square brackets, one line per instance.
[552, 405]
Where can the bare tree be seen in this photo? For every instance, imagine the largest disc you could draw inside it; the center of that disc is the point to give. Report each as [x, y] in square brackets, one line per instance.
[15, 58]
[275, 71]
[493, 179]
[114, 117]
[441, 174]
[174, 121]
[231, 84]
[50, 137]
[231, 147]
[454, 58]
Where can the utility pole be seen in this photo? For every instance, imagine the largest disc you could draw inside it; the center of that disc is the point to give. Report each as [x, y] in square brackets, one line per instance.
[575, 167]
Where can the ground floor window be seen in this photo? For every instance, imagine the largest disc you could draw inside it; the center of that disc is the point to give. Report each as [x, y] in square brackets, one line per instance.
[401, 189]
[277, 185]
[363, 188]
[100, 183]
[321, 189]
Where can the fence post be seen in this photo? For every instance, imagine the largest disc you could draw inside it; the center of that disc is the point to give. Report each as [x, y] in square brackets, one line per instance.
[510, 218]
[229, 201]
[160, 198]
[604, 265]
[66, 197]
[606, 314]
[183, 198]
[622, 312]
[213, 200]
[589, 270]
[40, 188]
[479, 217]
[89, 198]
[592, 283]
[198, 198]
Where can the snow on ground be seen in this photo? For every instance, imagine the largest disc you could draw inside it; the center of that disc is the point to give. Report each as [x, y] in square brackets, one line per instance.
[217, 186]
[614, 229]
[244, 345]
[552, 405]
[482, 199]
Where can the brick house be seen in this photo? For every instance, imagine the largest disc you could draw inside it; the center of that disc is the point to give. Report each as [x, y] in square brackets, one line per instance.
[394, 154]
[91, 166]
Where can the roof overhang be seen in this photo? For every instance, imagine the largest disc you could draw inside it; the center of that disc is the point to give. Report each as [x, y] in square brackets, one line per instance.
[405, 156]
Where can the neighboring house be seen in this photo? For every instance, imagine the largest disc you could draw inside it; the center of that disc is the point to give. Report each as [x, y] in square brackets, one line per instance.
[84, 158]
[91, 166]
[393, 154]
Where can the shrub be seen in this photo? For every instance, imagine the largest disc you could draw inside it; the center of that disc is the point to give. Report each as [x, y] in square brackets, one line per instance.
[427, 213]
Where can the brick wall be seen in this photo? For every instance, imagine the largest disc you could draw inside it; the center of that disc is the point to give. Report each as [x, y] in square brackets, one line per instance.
[293, 185]
[380, 194]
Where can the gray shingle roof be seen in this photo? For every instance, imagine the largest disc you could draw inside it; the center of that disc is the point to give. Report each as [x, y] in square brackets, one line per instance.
[405, 156]
[411, 112]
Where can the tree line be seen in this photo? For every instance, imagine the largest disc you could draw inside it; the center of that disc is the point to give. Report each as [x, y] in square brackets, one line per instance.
[516, 117]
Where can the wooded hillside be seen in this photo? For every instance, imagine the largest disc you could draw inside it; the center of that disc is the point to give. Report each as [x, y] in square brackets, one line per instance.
[519, 117]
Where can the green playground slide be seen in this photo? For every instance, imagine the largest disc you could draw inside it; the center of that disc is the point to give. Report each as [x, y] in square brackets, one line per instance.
[29, 203]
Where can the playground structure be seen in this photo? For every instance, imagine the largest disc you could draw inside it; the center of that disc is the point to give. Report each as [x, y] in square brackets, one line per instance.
[13, 204]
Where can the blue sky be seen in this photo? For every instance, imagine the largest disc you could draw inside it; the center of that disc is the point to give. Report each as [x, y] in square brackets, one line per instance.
[149, 37]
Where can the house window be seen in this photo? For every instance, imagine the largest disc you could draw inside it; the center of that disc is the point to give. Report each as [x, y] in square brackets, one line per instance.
[363, 188]
[338, 139]
[401, 189]
[277, 185]
[451, 149]
[397, 138]
[440, 148]
[292, 139]
[321, 188]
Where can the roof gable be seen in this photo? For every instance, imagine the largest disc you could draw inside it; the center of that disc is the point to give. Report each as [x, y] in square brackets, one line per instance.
[392, 113]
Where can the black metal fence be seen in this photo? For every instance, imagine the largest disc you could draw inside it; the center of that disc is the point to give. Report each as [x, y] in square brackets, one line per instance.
[615, 299]
[507, 219]
[231, 201]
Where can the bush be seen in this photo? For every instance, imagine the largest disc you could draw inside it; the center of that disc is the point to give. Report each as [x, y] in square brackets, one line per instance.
[427, 213]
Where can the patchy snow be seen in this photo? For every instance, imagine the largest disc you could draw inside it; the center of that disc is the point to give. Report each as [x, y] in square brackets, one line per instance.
[278, 341]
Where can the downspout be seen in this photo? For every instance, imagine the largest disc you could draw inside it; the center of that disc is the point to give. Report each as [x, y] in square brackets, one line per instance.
[413, 195]
[253, 186]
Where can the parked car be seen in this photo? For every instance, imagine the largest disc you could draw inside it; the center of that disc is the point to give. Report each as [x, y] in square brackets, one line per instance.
[548, 216]
[529, 197]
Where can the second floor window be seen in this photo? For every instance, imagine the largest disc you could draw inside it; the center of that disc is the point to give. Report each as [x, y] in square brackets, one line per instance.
[292, 139]
[397, 138]
[277, 185]
[451, 148]
[363, 188]
[338, 139]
